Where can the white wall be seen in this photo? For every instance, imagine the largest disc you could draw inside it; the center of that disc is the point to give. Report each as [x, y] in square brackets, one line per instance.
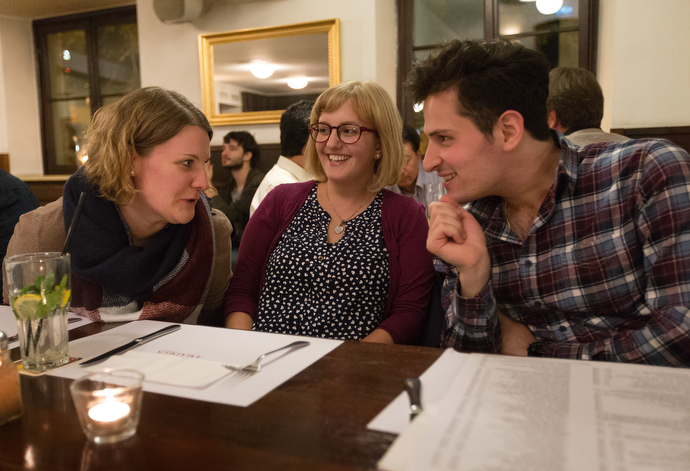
[20, 134]
[644, 63]
[4, 144]
[169, 53]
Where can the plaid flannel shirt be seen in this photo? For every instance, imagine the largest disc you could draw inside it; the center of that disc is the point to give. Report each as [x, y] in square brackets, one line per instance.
[604, 273]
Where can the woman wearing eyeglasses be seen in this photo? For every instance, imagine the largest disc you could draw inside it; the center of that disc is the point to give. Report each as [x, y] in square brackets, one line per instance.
[340, 257]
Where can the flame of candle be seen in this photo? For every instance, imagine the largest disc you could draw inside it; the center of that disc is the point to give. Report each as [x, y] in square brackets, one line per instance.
[110, 410]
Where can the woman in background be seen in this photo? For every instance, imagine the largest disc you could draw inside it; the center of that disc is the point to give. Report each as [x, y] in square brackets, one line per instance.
[341, 257]
[147, 244]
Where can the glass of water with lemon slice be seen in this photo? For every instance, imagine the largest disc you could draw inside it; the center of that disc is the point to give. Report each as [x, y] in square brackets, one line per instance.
[39, 290]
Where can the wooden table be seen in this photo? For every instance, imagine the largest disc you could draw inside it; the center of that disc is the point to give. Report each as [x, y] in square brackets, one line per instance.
[315, 421]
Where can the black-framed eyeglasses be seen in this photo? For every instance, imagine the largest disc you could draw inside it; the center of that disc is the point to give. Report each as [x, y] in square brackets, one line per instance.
[347, 133]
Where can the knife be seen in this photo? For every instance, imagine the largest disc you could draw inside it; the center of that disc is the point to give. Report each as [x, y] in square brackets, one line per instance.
[414, 391]
[133, 344]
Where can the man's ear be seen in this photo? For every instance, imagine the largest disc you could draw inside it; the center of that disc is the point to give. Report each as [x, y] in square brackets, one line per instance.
[247, 156]
[553, 121]
[509, 128]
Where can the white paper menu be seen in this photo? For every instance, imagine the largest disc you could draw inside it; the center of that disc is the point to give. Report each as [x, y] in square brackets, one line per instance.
[508, 413]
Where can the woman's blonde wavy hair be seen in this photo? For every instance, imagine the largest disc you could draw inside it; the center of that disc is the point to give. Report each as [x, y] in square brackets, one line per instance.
[372, 104]
[138, 122]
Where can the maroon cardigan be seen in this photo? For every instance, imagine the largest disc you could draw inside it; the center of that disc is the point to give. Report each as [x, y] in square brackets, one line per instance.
[405, 229]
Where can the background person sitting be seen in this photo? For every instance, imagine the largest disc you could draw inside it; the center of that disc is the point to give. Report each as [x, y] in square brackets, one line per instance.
[147, 244]
[16, 198]
[425, 187]
[340, 257]
[576, 106]
[240, 154]
[294, 134]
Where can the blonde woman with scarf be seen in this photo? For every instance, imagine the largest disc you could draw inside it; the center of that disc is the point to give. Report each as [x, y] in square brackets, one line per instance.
[147, 244]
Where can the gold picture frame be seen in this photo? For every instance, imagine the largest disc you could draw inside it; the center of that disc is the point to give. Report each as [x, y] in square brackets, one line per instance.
[257, 41]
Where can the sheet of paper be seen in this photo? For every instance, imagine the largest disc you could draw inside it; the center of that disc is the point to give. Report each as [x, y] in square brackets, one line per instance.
[435, 383]
[643, 417]
[227, 346]
[507, 413]
[8, 323]
[167, 369]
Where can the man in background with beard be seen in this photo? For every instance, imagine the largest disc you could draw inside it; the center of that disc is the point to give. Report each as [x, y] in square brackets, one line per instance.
[240, 154]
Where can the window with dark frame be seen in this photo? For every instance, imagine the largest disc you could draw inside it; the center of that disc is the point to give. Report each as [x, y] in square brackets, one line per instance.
[567, 36]
[84, 62]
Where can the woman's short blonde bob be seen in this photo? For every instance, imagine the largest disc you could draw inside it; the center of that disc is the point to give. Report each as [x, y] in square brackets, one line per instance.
[138, 122]
[374, 106]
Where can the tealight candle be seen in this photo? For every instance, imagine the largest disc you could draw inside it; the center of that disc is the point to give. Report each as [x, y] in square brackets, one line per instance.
[110, 410]
[108, 404]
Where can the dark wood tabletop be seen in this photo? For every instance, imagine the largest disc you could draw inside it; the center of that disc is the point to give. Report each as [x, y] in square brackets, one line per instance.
[315, 421]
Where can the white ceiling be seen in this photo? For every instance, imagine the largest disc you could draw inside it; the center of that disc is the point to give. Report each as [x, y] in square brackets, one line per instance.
[35, 9]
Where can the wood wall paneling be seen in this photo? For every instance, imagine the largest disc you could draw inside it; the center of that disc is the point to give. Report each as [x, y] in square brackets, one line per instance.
[47, 190]
[679, 135]
[222, 176]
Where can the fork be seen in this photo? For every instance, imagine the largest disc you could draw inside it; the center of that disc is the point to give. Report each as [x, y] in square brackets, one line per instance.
[255, 366]
[413, 386]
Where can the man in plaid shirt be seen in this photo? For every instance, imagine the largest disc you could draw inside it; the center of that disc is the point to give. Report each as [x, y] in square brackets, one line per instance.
[560, 251]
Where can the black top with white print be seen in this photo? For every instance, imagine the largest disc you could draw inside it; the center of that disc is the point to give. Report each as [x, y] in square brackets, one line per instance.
[318, 289]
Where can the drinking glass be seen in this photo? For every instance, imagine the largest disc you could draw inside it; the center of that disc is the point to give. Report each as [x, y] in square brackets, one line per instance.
[40, 291]
[432, 193]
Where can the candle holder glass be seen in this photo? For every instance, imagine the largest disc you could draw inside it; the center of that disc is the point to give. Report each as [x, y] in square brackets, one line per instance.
[108, 404]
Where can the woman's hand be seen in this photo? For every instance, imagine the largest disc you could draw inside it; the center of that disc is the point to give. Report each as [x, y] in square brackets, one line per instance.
[378, 336]
[239, 320]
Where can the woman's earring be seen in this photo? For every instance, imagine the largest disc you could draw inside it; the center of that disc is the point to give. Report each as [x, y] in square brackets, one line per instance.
[131, 173]
[378, 155]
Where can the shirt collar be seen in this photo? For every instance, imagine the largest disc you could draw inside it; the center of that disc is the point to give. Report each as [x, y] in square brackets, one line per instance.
[566, 173]
[488, 210]
[298, 172]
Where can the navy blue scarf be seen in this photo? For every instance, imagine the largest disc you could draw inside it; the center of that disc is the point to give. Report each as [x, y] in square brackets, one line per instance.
[100, 249]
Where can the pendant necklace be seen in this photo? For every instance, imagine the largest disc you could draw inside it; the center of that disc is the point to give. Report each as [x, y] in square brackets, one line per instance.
[343, 222]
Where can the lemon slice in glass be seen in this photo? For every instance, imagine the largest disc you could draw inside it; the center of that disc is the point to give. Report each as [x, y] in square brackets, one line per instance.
[65, 297]
[24, 306]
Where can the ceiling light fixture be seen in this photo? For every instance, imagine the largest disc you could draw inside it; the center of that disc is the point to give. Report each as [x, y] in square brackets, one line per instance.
[549, 7]
[297, 83]
[262, 69]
